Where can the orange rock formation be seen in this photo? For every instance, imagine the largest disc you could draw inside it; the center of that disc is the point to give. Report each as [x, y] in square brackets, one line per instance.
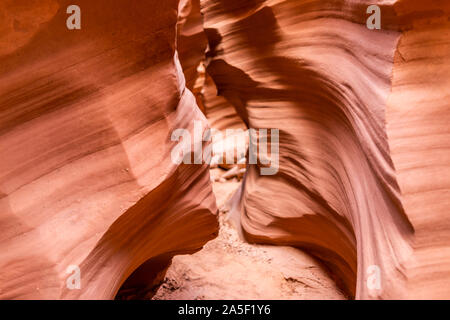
[86, 177]
[364, 119]
[86, 117]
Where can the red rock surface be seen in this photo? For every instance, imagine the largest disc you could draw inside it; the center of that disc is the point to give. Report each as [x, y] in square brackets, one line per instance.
[191, 40]
[86, 116]
[86, 176]
[364, 133]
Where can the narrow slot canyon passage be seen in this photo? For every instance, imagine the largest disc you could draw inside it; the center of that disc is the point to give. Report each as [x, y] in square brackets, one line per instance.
[113, 186]
[230, 268]
[227, 267]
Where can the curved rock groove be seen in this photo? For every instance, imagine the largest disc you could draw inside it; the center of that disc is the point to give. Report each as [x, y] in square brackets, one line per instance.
[348, 108]
[86, 176]
[86, 117]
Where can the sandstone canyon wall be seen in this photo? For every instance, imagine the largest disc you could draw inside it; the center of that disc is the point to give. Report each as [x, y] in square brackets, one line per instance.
[192, 44]
[191, 41]
[364, 120]
[86, 177]
[86, 117]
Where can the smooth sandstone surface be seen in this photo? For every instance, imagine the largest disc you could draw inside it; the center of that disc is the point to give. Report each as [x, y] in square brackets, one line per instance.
[191, 41]
[86, 177]
[86, 116]
[364, 119]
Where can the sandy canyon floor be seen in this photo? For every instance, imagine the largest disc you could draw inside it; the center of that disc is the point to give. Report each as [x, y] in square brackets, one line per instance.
[230, 268]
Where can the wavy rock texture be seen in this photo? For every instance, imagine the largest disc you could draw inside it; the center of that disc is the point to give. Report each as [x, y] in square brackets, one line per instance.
[418, 127]
[364, 133]
[86, 176]
[191, 41]
[219, 112]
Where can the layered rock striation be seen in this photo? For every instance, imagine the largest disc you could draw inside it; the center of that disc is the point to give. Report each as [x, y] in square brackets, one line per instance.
[363, 181]
[86, 176]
